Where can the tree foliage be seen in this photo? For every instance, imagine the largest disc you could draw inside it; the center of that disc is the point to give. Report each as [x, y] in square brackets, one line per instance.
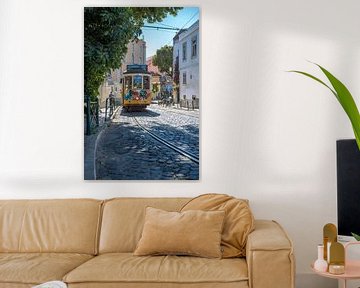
[107, 31]
[155, 88]
[163, 59]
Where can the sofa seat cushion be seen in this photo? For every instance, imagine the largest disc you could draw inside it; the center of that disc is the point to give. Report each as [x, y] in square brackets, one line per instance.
[127, 268]
[36, 268]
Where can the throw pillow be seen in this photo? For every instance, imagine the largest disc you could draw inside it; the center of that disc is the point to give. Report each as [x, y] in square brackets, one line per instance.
[196, 233]
[238, 223]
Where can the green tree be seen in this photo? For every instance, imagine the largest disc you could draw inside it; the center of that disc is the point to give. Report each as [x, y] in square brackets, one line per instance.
[155, 88]
[107, 31]
[164, 59]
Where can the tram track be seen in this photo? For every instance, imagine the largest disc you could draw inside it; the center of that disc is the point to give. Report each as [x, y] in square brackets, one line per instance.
[191, 156]
[173, 111]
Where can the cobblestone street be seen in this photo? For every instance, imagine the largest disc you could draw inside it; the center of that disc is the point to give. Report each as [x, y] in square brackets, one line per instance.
[125, 151]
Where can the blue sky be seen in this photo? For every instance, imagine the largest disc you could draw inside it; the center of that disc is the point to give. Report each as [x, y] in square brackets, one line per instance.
[155, 39]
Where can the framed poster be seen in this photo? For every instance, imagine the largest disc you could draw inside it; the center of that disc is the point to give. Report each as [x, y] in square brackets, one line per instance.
[141, 93]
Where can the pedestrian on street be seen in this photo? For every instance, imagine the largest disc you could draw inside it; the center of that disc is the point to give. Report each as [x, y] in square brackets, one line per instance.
[112, 99]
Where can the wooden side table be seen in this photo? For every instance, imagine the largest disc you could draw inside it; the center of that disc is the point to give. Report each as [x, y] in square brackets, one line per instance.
[352, 268]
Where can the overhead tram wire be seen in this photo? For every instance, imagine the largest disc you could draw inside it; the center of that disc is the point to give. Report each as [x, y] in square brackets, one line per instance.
[166, 25]
[166, 31]
[161, 28]
[169, 28]
[192, 17]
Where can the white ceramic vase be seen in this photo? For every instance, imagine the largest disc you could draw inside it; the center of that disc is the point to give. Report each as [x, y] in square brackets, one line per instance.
[320, 264]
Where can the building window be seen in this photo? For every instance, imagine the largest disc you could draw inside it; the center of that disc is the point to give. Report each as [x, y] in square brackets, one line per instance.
[184, 78]
[184, 51]
[193, 47]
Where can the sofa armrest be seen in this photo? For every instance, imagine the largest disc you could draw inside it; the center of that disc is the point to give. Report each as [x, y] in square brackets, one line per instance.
[269, 256]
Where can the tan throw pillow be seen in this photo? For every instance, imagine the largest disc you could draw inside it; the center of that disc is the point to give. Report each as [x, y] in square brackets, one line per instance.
[239, 221]
[196, 233]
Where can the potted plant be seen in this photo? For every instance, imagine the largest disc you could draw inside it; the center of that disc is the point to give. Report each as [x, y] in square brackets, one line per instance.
[347, 102]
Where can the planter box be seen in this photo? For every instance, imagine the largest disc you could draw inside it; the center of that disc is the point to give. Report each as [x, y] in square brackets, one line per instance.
[348, 187]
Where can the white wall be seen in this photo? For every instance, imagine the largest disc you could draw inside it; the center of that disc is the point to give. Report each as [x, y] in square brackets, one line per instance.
[273, 141]
[191, 64]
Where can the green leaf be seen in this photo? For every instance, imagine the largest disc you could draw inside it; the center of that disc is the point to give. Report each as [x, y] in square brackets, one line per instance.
[347, 102]
[316, 79]
[344, 97]
[356, 236]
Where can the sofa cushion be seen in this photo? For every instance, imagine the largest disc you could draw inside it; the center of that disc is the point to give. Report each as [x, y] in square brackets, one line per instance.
[123, 220]
[239, 220]
[193, 232]
[126, 268]
[62, 226]
[36, 268]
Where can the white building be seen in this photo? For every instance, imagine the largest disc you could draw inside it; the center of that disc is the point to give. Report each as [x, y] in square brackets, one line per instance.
[186, 65]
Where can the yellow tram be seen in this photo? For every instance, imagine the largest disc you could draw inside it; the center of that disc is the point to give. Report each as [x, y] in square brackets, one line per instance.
[136, 87]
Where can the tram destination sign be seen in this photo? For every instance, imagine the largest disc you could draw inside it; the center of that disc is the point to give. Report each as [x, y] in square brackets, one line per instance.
[136, 68]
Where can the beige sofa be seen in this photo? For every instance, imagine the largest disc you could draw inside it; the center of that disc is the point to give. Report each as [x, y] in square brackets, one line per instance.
[89, 243]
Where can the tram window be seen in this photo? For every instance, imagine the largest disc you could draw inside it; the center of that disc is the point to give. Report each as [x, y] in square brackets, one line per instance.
[146, 82]
[128, 83]
[137, 82]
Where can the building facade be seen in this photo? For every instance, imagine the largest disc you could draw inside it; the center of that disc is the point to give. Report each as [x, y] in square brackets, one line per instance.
[136, 54]
[186, 47]
[151, 67]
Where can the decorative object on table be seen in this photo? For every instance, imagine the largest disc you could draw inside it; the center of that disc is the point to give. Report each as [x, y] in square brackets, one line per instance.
[320, 264]
[333, 251]
[344, 97]
[329, 236]
[350, 270]
[337, 258]
[51, 284]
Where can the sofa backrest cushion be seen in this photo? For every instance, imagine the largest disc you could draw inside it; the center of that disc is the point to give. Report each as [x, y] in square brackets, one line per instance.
[123, 220]
[238, 224]
[66, 226]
